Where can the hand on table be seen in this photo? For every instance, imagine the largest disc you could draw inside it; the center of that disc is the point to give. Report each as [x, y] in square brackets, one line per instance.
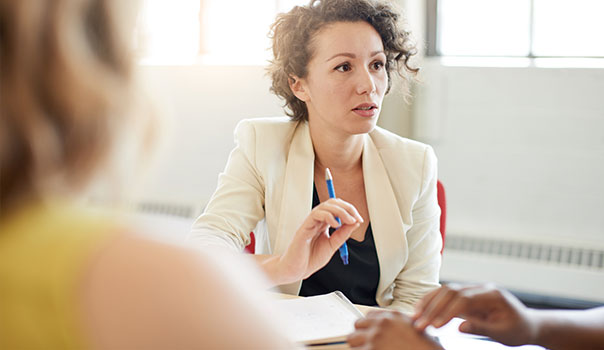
[383, 330]
[487, 311]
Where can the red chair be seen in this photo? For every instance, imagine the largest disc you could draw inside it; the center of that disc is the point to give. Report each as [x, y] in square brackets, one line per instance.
[442, 203]
[251, 248]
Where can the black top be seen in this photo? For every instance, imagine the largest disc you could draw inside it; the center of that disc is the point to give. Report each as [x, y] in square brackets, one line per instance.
[358, 280]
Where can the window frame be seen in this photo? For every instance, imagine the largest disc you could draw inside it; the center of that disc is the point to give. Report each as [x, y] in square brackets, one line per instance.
[433, 40]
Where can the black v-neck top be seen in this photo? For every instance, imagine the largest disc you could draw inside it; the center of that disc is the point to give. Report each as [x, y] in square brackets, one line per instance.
[358, 280]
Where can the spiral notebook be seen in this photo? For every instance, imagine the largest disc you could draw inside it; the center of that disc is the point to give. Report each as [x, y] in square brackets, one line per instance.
[320, 319]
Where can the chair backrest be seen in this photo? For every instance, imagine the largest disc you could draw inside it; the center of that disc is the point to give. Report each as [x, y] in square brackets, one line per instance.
[442, 203]
[251, 248]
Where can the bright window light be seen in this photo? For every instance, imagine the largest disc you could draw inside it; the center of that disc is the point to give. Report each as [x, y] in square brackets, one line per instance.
[286, 5]
[520, 28]
[484, 28]
[236, 31]
[221, 32]
[168, 31]
[569, 28]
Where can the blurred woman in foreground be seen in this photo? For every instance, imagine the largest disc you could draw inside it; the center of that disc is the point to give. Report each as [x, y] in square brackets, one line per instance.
[71, 278]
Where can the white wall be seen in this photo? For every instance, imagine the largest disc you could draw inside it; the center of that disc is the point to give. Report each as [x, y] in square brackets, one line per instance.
[521, 155]
[521, 150]
[201, 107]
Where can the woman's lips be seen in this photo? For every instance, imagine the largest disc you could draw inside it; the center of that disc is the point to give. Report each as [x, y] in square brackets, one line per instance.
[366, 111]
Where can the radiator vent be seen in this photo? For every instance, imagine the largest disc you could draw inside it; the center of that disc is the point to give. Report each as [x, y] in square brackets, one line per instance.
[574, 257]
[185, 211]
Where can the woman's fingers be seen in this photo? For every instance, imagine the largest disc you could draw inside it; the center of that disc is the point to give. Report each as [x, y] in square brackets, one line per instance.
[348, 206]
[319, 216]
[342, 208]
[341, 235]
[312, 246]
[328, 211]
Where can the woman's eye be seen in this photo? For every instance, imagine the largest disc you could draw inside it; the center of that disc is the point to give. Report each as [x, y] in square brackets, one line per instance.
[377, 65]
[343, 67]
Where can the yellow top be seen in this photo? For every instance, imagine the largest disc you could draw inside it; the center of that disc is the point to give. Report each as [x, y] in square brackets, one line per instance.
[44, 251]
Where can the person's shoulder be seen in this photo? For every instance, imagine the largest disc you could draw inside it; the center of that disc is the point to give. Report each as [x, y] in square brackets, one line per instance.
[266, 124]
[409, 163]
[160, 286]
[386, 141]
[153, 259]
[270, 136]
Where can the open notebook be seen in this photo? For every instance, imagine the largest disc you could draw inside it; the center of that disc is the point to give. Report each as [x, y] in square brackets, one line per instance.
[319, 319]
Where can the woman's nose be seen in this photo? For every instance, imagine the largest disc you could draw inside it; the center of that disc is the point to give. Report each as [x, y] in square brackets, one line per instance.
[365, 82]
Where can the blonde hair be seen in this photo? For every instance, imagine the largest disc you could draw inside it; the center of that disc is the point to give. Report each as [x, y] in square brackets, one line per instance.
[65, 85]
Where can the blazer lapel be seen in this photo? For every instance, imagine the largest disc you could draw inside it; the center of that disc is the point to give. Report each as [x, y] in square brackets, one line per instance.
[297, 193]
[385, 216]
[297, 187]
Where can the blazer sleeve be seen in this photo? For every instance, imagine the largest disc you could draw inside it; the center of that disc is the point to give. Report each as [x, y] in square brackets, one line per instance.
[237, 205]
[420, 274]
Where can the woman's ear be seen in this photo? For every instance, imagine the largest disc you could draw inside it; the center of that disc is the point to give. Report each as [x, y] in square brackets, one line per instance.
[298, 87]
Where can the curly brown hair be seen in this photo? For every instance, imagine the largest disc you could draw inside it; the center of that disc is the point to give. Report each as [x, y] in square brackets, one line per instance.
[293, 32]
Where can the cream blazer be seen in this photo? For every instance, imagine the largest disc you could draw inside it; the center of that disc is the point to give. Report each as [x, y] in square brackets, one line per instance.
[267, 187]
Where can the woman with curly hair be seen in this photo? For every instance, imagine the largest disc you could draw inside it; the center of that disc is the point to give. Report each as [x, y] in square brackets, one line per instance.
[333, 64]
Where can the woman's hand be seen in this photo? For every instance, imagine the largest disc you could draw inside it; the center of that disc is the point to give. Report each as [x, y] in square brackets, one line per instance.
[383, 330]
[312, 247]
[487, 311]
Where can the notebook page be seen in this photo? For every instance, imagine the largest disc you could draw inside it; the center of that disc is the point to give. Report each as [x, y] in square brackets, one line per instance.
[318, 318]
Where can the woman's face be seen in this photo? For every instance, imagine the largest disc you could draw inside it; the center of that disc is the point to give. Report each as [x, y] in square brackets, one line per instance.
[346, 79]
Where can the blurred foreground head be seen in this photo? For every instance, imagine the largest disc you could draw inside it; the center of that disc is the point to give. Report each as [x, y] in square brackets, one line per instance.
[65, 91]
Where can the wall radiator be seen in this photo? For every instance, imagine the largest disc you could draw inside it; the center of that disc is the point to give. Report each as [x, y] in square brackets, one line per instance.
[536, 267]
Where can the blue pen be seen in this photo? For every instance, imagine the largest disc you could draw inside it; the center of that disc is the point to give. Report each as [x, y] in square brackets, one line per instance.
[332, 194]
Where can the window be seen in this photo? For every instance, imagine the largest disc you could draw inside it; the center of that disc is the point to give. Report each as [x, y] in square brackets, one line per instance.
[168, 32]
[517, 28]
[210, 31]
[568, 28]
